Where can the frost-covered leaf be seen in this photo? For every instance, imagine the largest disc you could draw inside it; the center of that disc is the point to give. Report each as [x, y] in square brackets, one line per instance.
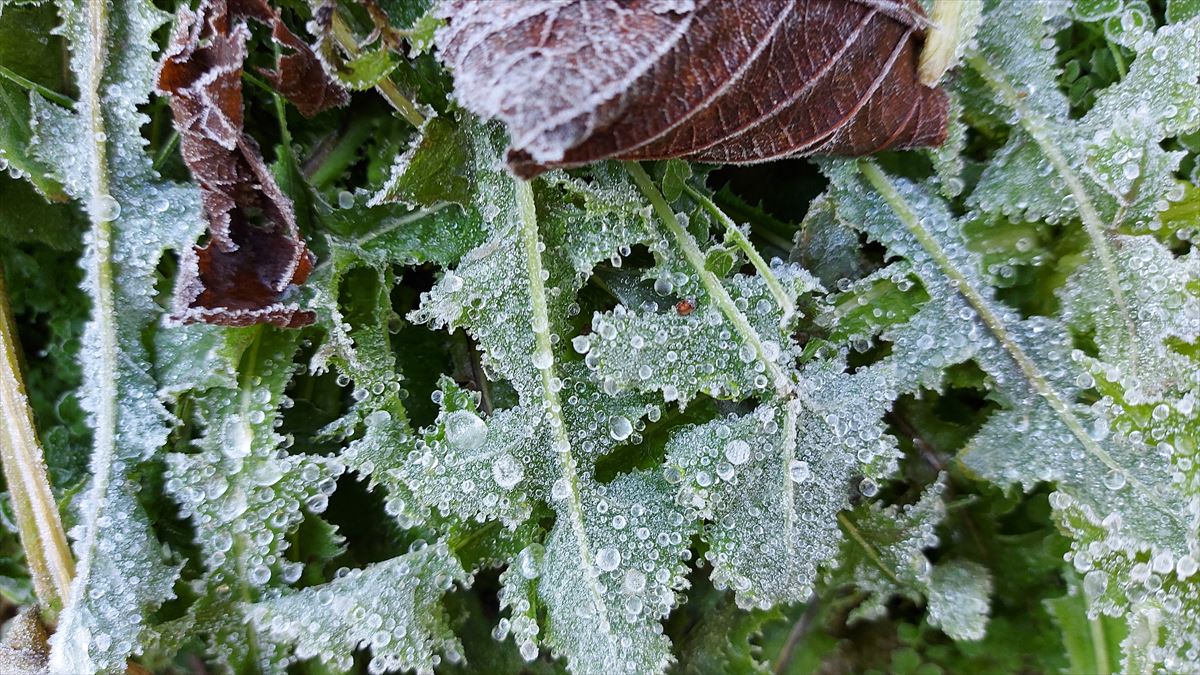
[884, 556]
[96, 151]
[1109, 167]
[683, 354]
[771, 483]
[612, 564]
[1149, 378]
[1120, 491]
[1028, 359]
[243, 494]
[254, 257]
[591, 390]
[392, 606]
[958, 598]
[576, 82]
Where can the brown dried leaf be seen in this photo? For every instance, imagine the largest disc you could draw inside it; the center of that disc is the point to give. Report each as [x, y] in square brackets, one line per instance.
[254, 255]
[709, 80]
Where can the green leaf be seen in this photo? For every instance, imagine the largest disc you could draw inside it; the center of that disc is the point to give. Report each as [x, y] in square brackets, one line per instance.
[96, 150]
[367, 69]
[242, 494]
[393, 606]
[883, 555]
[26, 66]
[1092, 641]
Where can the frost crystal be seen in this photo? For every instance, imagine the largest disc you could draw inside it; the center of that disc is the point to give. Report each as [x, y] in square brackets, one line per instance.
[243, 496]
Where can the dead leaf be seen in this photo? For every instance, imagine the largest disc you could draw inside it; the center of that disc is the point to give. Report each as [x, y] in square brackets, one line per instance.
[708, 80]
[254, 256]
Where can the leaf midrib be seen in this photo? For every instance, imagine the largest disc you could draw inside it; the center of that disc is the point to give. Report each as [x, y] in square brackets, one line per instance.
[1033, 375]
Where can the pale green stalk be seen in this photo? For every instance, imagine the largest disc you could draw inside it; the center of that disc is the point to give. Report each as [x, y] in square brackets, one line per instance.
[42, 536]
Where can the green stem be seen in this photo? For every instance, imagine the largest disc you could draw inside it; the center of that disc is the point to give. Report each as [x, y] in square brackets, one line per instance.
[343, 154]
[852, 530]
[544, 355]
[249, 370]
[695, 258]
[1099, 645]
[165, 151]
[42, 536]
[102, 287]
[1038, 380]
[734, 233]
[30, 85]
[386, 87]
[1093, 223]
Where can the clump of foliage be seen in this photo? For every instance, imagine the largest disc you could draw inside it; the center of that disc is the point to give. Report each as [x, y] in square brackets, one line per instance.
[928, 411]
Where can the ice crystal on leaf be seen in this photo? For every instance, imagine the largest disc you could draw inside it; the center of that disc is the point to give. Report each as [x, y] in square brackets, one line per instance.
[96, 151]
[392, 606]
[886, 558]
[1113, 461]
[619, 396]
[242, 494]
[1108, 167]
[613, 562]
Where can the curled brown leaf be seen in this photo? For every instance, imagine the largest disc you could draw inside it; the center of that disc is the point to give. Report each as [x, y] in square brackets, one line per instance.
[709, 80]
[254, 255]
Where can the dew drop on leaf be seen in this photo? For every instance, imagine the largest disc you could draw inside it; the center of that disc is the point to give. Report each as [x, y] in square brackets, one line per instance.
[465, 430]
[737, 452]
[619, 427]
[608, 559]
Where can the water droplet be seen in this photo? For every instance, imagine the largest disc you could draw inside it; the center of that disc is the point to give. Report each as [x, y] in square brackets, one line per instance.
[1186, 566]
[582, 343]
[465, 430]
[378, 418]
[799, 471]
[106, 208]
[529, 561]
[737, 452]
[507, 471]
[560, 489]
[619, 427]
[608, 559]
[868, 488]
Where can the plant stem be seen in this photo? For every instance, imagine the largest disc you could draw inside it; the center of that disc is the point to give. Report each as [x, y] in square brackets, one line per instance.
[799, 632]
[943, 38]
[386, 87]
[342, 155]
[1099, 645]
[695, 258]
[50, 564]
[30, 85]
[544, 353]
[867, 548]
[734, 234]
[165, 151]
